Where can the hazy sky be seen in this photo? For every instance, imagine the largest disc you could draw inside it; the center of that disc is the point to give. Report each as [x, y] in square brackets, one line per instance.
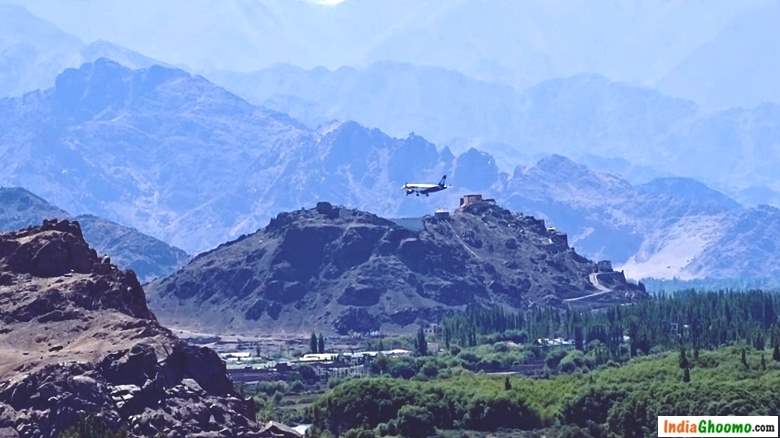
[670, 44]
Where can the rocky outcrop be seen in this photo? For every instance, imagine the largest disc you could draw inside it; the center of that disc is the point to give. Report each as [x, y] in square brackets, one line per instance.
[337, 269]
[78, 342]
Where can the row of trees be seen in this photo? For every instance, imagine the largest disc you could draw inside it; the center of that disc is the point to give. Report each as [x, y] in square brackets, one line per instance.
[701, 320]
[316, 343]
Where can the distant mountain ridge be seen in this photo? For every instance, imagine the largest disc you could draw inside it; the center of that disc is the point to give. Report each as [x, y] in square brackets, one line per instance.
[667, 228]
[517, 43]
[129, 248]
[580, 115]
[195, 165]
[33, 52]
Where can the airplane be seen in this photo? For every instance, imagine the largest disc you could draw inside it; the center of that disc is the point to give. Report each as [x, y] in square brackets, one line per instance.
[425, 189]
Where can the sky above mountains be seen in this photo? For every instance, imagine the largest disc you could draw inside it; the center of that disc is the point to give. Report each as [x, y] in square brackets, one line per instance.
[706, 51]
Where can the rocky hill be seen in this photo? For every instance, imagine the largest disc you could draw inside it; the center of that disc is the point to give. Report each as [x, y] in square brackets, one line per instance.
[337, 269]
[148, 257]
[77, 340]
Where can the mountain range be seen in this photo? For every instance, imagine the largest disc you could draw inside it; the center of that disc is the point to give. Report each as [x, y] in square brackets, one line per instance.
[667, 228]
[336, 269]
[189, 162]
[130, 249]
[577, 112]
[194, 165]
[582, 116]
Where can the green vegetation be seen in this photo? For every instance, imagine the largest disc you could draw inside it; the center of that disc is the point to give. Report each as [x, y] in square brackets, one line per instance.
[611, 401]
[316, 344]
[691, 353]
[705, 320]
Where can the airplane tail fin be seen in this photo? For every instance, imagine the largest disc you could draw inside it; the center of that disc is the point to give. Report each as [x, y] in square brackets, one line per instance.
[443, 180]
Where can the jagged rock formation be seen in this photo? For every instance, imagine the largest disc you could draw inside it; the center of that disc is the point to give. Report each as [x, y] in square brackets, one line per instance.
[148, 257]
[77, 340]
[338, 269]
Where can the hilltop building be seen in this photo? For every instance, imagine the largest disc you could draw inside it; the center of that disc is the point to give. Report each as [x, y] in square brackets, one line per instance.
[476, 198]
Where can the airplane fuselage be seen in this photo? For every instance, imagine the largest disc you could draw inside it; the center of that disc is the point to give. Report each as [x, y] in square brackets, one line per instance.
[424, 189]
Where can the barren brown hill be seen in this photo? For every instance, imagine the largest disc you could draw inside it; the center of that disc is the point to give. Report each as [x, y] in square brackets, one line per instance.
[342, 270]
[78, 341]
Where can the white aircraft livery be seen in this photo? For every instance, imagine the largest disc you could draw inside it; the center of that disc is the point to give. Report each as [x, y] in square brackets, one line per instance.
[425, 189]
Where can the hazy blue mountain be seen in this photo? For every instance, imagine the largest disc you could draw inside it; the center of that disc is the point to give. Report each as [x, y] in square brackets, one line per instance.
[33, 52]
[746, 248]
[666, 228]
[191, 163]
[21, 209]
[396, 97]
[739, 67]
[585, 116]
[576, 115]
[519, 43]
[195, 165]
[130, 249]
[758, 195]
[632, 172]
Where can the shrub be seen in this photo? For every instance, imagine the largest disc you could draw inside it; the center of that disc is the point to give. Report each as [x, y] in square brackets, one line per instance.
[415, 422]
[358, 433]
[554, 358]
[490, 412]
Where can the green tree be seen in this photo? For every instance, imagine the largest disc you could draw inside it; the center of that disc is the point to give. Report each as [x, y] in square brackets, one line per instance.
[321, 344]
[776, 353]
[507, 383]
[743, 359]
[591, 405]
[313, 348]
[758, 342]
[415, 422]
[683, 358]
[579, 340]
[420, 344]
[379, 365]
[359, 433]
